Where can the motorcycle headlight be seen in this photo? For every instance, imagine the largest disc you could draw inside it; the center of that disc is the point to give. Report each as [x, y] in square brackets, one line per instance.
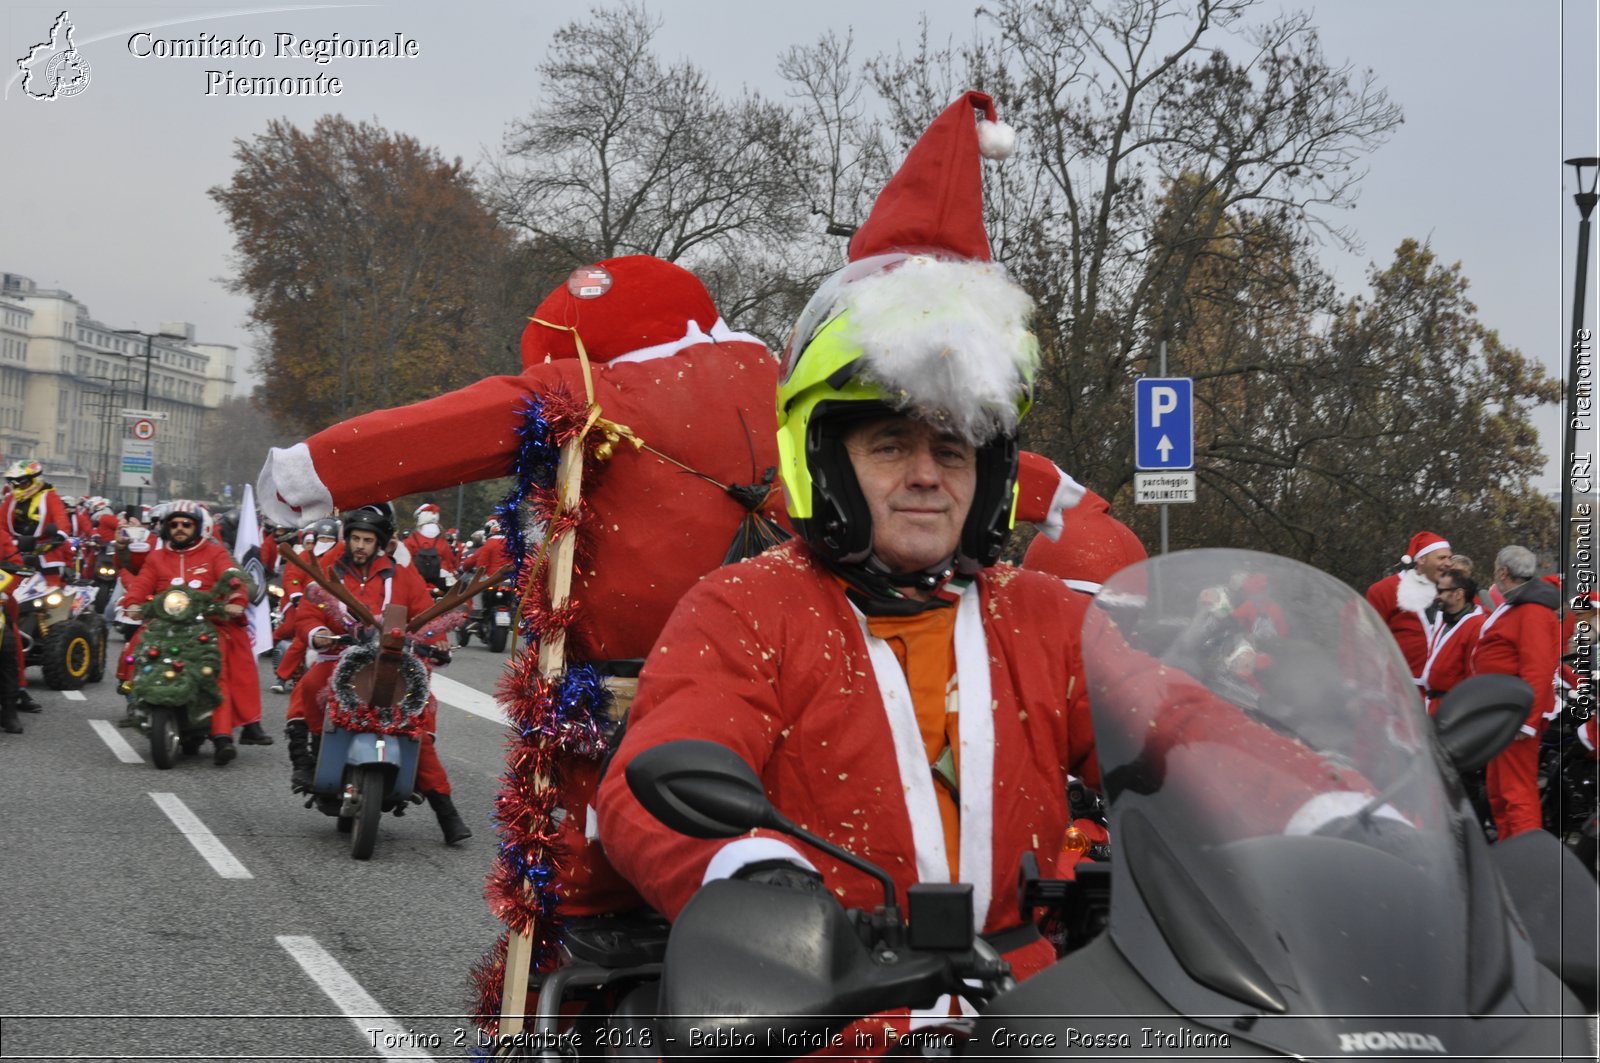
[54, 599]
[107, 571]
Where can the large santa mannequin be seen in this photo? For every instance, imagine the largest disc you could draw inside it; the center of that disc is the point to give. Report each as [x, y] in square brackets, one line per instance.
[663, 364]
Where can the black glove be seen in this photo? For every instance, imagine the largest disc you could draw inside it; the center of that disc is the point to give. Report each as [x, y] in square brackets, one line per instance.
[784, 873]
[26, 543]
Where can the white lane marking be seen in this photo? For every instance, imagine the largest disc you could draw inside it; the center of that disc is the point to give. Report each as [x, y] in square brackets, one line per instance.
[205, 843]
[466, 699]
[378, 1029]
[112, 737]
[74, 695]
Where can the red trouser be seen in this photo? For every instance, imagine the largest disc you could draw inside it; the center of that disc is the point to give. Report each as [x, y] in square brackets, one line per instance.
[241, 686]
[303, 705]
[1513, 782]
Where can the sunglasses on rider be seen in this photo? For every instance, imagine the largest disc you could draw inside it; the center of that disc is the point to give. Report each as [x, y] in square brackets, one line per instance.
[19, 481]
[181, 522]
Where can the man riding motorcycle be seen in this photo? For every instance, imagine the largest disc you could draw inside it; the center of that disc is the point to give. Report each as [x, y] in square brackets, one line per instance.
[189, 556]
[895, 690]
[429, 552]
[367, 572]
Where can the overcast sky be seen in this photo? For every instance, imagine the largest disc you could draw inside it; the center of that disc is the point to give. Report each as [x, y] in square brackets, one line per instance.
[103, 194]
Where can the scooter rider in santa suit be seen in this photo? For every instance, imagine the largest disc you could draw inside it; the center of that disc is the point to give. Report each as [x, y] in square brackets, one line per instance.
[366, 571]
[190, 556]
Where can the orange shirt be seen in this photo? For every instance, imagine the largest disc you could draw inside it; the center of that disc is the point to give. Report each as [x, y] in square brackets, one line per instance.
[925, 646]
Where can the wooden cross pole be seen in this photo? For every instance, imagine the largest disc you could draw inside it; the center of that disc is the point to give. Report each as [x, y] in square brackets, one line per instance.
[552, 662]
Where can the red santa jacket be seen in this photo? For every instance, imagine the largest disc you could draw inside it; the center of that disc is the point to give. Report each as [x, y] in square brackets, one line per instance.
[1402, 600]
[1450, 655]
[295, 579]
[381, 584]
[769, 658]
[38, 516]
[489, 557]
[199, 567]
[1523, 638]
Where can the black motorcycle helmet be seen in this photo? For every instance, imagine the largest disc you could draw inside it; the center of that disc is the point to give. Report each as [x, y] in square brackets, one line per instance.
[377, 519]
[228, 527]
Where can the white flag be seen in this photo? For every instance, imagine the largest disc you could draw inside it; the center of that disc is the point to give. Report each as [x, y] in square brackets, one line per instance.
[247, 551]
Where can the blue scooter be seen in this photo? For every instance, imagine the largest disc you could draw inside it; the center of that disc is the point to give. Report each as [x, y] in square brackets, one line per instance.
[367, 760]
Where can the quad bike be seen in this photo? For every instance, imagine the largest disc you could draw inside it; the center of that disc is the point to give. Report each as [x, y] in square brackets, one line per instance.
[61, 631]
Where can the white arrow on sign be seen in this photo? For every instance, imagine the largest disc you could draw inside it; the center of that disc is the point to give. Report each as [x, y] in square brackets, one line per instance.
[1165, 446]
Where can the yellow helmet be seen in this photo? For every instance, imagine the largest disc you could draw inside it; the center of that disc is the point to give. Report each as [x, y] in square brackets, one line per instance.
[940, 340]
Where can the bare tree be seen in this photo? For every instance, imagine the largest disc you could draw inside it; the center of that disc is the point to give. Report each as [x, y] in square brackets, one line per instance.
[627, 155]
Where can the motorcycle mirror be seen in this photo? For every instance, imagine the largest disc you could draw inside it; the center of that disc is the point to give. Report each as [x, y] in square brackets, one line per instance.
[700, 788]
[1480, 716]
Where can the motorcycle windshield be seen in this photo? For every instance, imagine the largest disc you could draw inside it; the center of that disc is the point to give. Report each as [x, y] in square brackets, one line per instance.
[1295, 838]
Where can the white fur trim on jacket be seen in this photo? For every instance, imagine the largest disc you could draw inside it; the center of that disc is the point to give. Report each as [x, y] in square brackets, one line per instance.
[720, 333]
[1068, 493]
[1437, 642]
[742, 852]
[289, 492]
[975, 732]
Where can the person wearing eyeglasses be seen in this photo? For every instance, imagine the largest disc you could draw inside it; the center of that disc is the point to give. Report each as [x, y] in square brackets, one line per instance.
[190, 556]
[1455, 636]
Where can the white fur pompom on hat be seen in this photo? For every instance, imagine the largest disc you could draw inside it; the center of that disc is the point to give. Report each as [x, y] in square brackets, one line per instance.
[947, 340]
[996, 140]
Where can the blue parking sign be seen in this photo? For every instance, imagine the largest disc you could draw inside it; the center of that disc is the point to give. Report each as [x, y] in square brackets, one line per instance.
[1163, 433]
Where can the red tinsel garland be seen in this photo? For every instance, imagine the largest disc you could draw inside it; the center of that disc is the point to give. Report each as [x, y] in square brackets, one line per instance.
[521, 889]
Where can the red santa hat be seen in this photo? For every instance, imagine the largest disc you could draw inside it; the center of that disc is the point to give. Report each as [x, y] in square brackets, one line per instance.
[1424, 543]
[934, 202]
[427, 512]
[939, 325]
[628, 308]
[1093, 546]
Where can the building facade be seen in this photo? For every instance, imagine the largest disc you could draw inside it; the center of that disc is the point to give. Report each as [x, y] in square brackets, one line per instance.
[66, 380]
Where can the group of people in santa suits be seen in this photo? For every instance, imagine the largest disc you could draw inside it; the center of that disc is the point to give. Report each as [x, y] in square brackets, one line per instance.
[1433, 608]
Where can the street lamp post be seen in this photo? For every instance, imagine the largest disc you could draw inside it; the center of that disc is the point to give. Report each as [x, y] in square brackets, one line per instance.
[1579, 383]
[110, 398]
[149, 355]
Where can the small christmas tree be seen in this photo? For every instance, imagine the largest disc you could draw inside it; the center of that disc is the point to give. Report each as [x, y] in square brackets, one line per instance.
[179, 660]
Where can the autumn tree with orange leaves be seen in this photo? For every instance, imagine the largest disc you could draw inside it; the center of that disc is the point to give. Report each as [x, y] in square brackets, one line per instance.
[376, 275]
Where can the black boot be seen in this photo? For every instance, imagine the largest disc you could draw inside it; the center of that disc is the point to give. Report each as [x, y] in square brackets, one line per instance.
[25, 702]
[8, 720]
[252, 735]
[225, 750]
[455, 828]
[301, 757]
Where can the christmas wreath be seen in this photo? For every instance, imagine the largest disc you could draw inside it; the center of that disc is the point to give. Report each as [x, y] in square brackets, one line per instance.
[349, 711]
